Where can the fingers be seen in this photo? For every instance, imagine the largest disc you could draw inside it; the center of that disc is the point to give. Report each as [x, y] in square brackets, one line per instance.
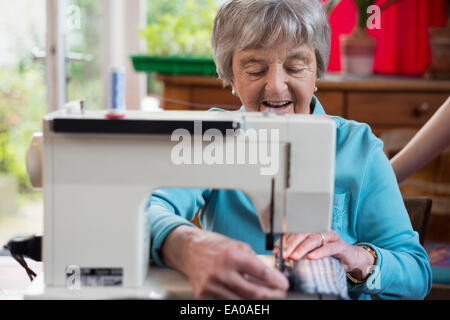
[327, 250]
[238, 273]
[249, 278]
[291, 241]
[301, 244]
[311, 242]
[335, 247]
[254, 267]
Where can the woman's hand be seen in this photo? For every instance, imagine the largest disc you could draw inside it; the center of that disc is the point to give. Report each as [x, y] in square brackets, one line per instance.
[222, 268]
[356, 260]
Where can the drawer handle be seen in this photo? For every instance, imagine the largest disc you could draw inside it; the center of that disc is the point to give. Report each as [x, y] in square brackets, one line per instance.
[421, 109]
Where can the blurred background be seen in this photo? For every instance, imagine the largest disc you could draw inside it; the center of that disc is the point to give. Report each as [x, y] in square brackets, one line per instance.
[56, 51]
[24, 92]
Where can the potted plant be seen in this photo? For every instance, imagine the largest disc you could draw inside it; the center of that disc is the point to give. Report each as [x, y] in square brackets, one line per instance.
[178, 43]
[358, 48]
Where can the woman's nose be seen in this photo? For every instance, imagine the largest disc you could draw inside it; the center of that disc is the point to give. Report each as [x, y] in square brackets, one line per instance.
[276, 81]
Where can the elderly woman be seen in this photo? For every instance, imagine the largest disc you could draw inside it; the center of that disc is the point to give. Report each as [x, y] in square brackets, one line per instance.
[271, 52]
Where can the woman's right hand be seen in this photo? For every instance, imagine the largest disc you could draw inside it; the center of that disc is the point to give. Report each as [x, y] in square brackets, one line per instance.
[222, 268]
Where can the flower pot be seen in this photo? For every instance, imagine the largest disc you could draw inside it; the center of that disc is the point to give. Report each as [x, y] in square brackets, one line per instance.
[8, 193]
[357, 51]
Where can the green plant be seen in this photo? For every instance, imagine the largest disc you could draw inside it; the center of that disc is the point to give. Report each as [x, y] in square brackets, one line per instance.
[22, 105]
[4, 141]
[330, 5]
[184, 30]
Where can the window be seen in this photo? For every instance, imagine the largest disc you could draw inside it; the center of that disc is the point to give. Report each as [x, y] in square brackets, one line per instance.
[23, 102]
[83, 43]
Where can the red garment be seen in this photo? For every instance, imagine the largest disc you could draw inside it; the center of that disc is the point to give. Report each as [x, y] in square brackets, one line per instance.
[402, 42]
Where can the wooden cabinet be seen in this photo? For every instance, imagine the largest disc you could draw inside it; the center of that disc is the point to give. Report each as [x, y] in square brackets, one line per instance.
[395, 108]
[382, 102]
[196, 93]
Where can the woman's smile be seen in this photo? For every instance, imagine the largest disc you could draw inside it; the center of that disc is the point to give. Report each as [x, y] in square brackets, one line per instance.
[278, 106]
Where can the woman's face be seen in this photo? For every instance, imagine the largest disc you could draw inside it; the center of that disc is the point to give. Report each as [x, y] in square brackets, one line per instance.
[280, 78]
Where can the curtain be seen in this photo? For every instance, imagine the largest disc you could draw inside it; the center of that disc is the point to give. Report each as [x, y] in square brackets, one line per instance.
[402, 41]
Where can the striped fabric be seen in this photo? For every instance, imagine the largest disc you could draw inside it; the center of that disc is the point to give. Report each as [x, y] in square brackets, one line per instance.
[325, 276]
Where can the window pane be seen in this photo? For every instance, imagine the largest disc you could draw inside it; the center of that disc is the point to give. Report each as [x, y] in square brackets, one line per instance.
[83, 43]
[178, 27]
[23, 102]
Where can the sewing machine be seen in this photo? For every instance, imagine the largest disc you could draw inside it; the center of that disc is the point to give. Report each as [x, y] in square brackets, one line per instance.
[97, 174]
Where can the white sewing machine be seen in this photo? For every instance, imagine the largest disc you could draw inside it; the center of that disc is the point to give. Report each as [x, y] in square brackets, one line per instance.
[97, 173]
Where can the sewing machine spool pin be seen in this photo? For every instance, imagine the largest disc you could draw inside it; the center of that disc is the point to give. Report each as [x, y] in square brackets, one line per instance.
[82, 106]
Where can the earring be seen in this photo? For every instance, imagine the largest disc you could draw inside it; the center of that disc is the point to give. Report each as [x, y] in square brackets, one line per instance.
[315, 89]
[233, 92]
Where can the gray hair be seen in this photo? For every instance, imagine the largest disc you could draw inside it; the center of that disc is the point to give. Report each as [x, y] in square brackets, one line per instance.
[245, 24]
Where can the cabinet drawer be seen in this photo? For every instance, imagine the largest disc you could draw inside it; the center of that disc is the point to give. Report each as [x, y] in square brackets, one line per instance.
[210, 97]
[392, 108]
[332, 102]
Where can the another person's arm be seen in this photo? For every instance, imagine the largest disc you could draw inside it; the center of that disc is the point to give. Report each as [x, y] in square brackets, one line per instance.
[429, 142]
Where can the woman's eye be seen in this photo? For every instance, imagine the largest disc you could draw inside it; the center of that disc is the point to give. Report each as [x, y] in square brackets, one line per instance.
[255, 73]
[296, 71]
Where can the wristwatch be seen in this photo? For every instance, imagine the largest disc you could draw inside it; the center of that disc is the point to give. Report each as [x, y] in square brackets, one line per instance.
[374, 255]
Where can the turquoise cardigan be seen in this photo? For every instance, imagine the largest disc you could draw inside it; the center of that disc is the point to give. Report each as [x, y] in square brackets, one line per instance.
[368, 209]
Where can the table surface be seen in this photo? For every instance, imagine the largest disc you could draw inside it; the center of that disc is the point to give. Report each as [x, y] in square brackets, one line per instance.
[161, 283]
[14, 280]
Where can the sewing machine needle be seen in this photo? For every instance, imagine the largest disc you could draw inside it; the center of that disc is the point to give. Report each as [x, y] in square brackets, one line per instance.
[281, 254]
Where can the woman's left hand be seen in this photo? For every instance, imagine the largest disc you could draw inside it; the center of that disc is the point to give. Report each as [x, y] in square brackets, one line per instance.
[356, 260]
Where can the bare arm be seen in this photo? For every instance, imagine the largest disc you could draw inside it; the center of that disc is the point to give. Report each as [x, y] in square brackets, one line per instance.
[430, 141]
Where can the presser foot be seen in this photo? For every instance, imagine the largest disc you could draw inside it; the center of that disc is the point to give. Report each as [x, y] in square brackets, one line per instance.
[286, 266]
